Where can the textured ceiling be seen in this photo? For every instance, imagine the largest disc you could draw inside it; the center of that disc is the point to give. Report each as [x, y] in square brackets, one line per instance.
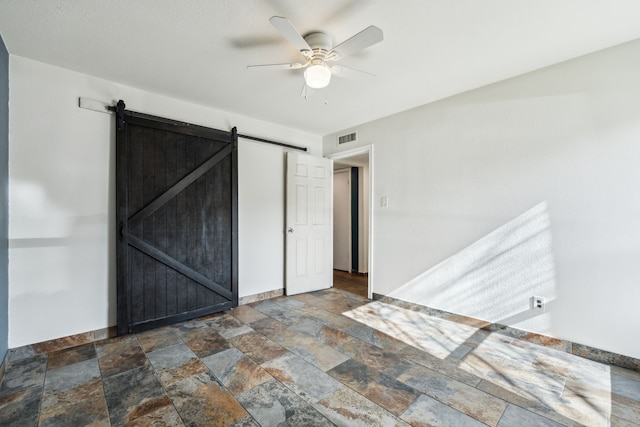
[198, 50]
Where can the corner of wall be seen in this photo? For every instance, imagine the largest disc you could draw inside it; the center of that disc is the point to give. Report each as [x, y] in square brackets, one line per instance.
[4, 182]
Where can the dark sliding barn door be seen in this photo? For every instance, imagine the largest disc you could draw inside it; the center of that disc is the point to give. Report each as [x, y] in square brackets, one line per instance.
[176, 198]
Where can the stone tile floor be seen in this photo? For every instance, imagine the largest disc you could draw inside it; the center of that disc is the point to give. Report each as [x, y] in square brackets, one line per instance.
[325, 358]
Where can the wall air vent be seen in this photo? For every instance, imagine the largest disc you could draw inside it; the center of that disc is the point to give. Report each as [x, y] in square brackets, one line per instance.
[350, 137]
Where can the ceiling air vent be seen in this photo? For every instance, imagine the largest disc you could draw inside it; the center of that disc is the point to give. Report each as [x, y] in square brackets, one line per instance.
[350, 137]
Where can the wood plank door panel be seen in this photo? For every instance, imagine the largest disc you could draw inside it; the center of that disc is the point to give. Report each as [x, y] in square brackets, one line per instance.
[177, 221]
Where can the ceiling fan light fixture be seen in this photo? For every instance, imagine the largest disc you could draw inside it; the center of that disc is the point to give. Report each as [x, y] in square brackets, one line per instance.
[317, 76]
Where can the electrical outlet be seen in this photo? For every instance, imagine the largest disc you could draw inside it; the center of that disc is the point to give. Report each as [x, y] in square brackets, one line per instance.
[537, 303]
[384, 202]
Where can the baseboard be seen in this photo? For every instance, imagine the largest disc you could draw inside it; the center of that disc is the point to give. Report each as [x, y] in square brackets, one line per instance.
[60, 343]
[585, 351]
[261, 296]
[3, 365]
[100, 334]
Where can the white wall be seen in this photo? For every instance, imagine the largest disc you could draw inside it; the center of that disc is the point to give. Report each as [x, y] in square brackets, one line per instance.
[61, 198]
[342, 219]
[526, 187]
[261, 208]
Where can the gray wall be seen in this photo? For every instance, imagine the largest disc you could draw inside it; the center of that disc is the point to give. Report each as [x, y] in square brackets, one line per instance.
[4, 185]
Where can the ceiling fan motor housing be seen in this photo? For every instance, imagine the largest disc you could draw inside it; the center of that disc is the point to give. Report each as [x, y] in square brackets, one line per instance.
[320, 43]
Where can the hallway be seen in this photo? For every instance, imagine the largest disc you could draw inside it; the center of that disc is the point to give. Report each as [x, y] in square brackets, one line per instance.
[351, 282]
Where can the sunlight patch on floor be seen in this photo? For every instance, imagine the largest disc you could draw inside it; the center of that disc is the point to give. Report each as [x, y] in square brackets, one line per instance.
[548, 379]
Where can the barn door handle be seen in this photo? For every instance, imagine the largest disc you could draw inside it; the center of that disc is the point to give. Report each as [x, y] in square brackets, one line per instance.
[121, 231]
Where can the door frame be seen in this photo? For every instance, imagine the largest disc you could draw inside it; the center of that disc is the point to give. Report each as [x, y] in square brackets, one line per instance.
[367, 149]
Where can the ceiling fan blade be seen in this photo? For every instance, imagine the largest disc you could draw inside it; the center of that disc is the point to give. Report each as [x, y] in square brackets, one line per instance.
[365, 38]
[352, 73]
[289, 32]
[295, 66]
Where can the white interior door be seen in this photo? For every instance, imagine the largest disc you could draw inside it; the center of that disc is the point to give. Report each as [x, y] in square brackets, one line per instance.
[342, 220]
[309, 245]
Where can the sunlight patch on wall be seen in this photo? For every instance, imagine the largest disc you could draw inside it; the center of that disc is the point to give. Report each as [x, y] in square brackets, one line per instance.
[50, 246]
[494, 278]
[39, 216]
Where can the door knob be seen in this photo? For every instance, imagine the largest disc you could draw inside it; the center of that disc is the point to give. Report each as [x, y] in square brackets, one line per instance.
[290, 230]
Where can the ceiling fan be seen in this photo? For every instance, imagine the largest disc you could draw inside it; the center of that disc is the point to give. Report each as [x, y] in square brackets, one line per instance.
[317, 50]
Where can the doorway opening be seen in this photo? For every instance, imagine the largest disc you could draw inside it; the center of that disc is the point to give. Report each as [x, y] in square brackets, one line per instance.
[352, 220]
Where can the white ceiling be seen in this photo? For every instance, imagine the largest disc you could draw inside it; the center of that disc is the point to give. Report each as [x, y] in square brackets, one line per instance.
[198, 50]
